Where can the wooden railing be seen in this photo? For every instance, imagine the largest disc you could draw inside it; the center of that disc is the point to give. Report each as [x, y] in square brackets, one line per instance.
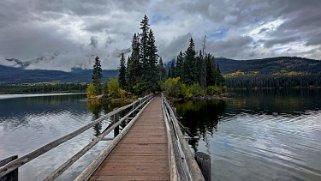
[13, 165]
[183, 165]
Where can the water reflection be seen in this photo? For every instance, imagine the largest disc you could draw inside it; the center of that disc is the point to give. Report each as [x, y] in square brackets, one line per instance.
[95, 109]
[200, 117]
[27, 123]
[260, 135]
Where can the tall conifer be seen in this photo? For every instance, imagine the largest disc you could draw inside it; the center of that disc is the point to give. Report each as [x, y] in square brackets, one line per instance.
[122, 72]
[97, 75]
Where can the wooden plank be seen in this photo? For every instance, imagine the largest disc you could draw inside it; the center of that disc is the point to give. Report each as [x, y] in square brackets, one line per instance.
[85, 175]
[129, 178]
[143, 153]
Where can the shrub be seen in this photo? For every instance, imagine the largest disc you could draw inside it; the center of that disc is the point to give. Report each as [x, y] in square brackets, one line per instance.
[91, 91]
[193, 90]
[173, 87]
[113, 87]
[122, 93]
[214, 90]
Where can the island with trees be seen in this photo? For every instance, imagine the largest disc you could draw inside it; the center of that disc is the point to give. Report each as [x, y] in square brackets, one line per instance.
[191, 75]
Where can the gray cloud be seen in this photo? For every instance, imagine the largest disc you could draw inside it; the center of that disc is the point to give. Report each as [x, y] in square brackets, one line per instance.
[79, 29]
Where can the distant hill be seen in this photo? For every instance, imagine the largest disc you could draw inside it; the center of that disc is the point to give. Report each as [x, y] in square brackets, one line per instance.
[11, 75]
[269, 66]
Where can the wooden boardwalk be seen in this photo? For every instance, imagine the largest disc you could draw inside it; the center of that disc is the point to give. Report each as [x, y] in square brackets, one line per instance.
[143, 152]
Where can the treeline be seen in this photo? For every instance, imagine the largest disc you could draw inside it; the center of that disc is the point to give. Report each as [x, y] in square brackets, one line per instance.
[274, 82]
[200, 69]
[42, 88]
[145, 73]
[192, 75]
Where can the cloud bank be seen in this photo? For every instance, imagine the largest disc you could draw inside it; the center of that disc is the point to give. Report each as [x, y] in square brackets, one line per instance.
[70, 33]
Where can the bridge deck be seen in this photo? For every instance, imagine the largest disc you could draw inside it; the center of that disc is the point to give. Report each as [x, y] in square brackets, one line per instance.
[143, 153]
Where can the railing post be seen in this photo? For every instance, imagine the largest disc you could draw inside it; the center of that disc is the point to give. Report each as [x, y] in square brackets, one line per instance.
[13, 175]
[204, 162]
[116, 119]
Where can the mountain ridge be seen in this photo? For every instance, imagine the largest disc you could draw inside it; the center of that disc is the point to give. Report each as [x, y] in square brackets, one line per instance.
[12, 75]
[264, 66]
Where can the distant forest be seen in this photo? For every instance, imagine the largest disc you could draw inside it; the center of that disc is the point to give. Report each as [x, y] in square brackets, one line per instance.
[42, 88]
[274, 82]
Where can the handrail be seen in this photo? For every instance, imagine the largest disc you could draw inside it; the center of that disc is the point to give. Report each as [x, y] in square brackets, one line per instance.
[30, 156]
[191, 170]
[73, 159]
[93, 166]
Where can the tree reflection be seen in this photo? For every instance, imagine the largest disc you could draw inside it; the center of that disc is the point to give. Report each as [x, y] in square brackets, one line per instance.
[200, 117]
[95, 108]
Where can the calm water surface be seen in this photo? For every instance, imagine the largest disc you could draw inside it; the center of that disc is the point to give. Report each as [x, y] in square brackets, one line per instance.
[28, 122]
[254, 136]
[258, 135]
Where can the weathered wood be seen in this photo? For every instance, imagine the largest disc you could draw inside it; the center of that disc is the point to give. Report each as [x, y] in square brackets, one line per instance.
[171, 155]
[193, 168]
[204, 162]
[7, 160]
[116, 119]
[73, 159]
[13, 175]
[89, 170]
[142, 152]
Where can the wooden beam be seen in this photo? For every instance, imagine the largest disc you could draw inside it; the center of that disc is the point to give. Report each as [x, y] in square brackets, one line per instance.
[193, 167]
[13, 175]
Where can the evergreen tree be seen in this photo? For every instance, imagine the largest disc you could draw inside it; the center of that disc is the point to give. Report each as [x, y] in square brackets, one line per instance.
[122, 72]
[201, 70]
[151, 70]
[144, 46]
[179, 65]
[134, 69]
[210, 70]
[171, 70]
[190, 71]
[97, 75]
[162, 70]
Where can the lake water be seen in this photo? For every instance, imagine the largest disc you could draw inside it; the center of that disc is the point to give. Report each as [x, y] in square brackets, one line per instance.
[254, 136]
[28, 122]
[258, 135]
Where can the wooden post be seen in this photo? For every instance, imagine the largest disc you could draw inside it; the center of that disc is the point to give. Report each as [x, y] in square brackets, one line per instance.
[116, 119]
[13, 175]
[204, 162]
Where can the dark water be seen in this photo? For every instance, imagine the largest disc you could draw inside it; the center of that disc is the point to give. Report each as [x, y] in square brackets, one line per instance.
[26, 123]
[258, 135]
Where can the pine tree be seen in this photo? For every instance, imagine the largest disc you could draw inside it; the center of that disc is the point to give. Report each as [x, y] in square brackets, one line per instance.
[144, 46]
[201, 70]
[152, 75]
[134, 69]
[122, 72]
[190, 71]
[162, 70]
[210, 70]
[97, 75]
[179, 65]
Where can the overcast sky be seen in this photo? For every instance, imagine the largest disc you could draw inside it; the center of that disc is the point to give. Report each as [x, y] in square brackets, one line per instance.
[69, 33]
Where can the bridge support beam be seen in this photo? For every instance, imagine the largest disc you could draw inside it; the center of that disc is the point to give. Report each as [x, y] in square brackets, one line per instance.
[13, 175]
[116, 119]
[204, 162]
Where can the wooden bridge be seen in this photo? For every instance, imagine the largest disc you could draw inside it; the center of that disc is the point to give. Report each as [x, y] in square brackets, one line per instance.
[150, 147]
